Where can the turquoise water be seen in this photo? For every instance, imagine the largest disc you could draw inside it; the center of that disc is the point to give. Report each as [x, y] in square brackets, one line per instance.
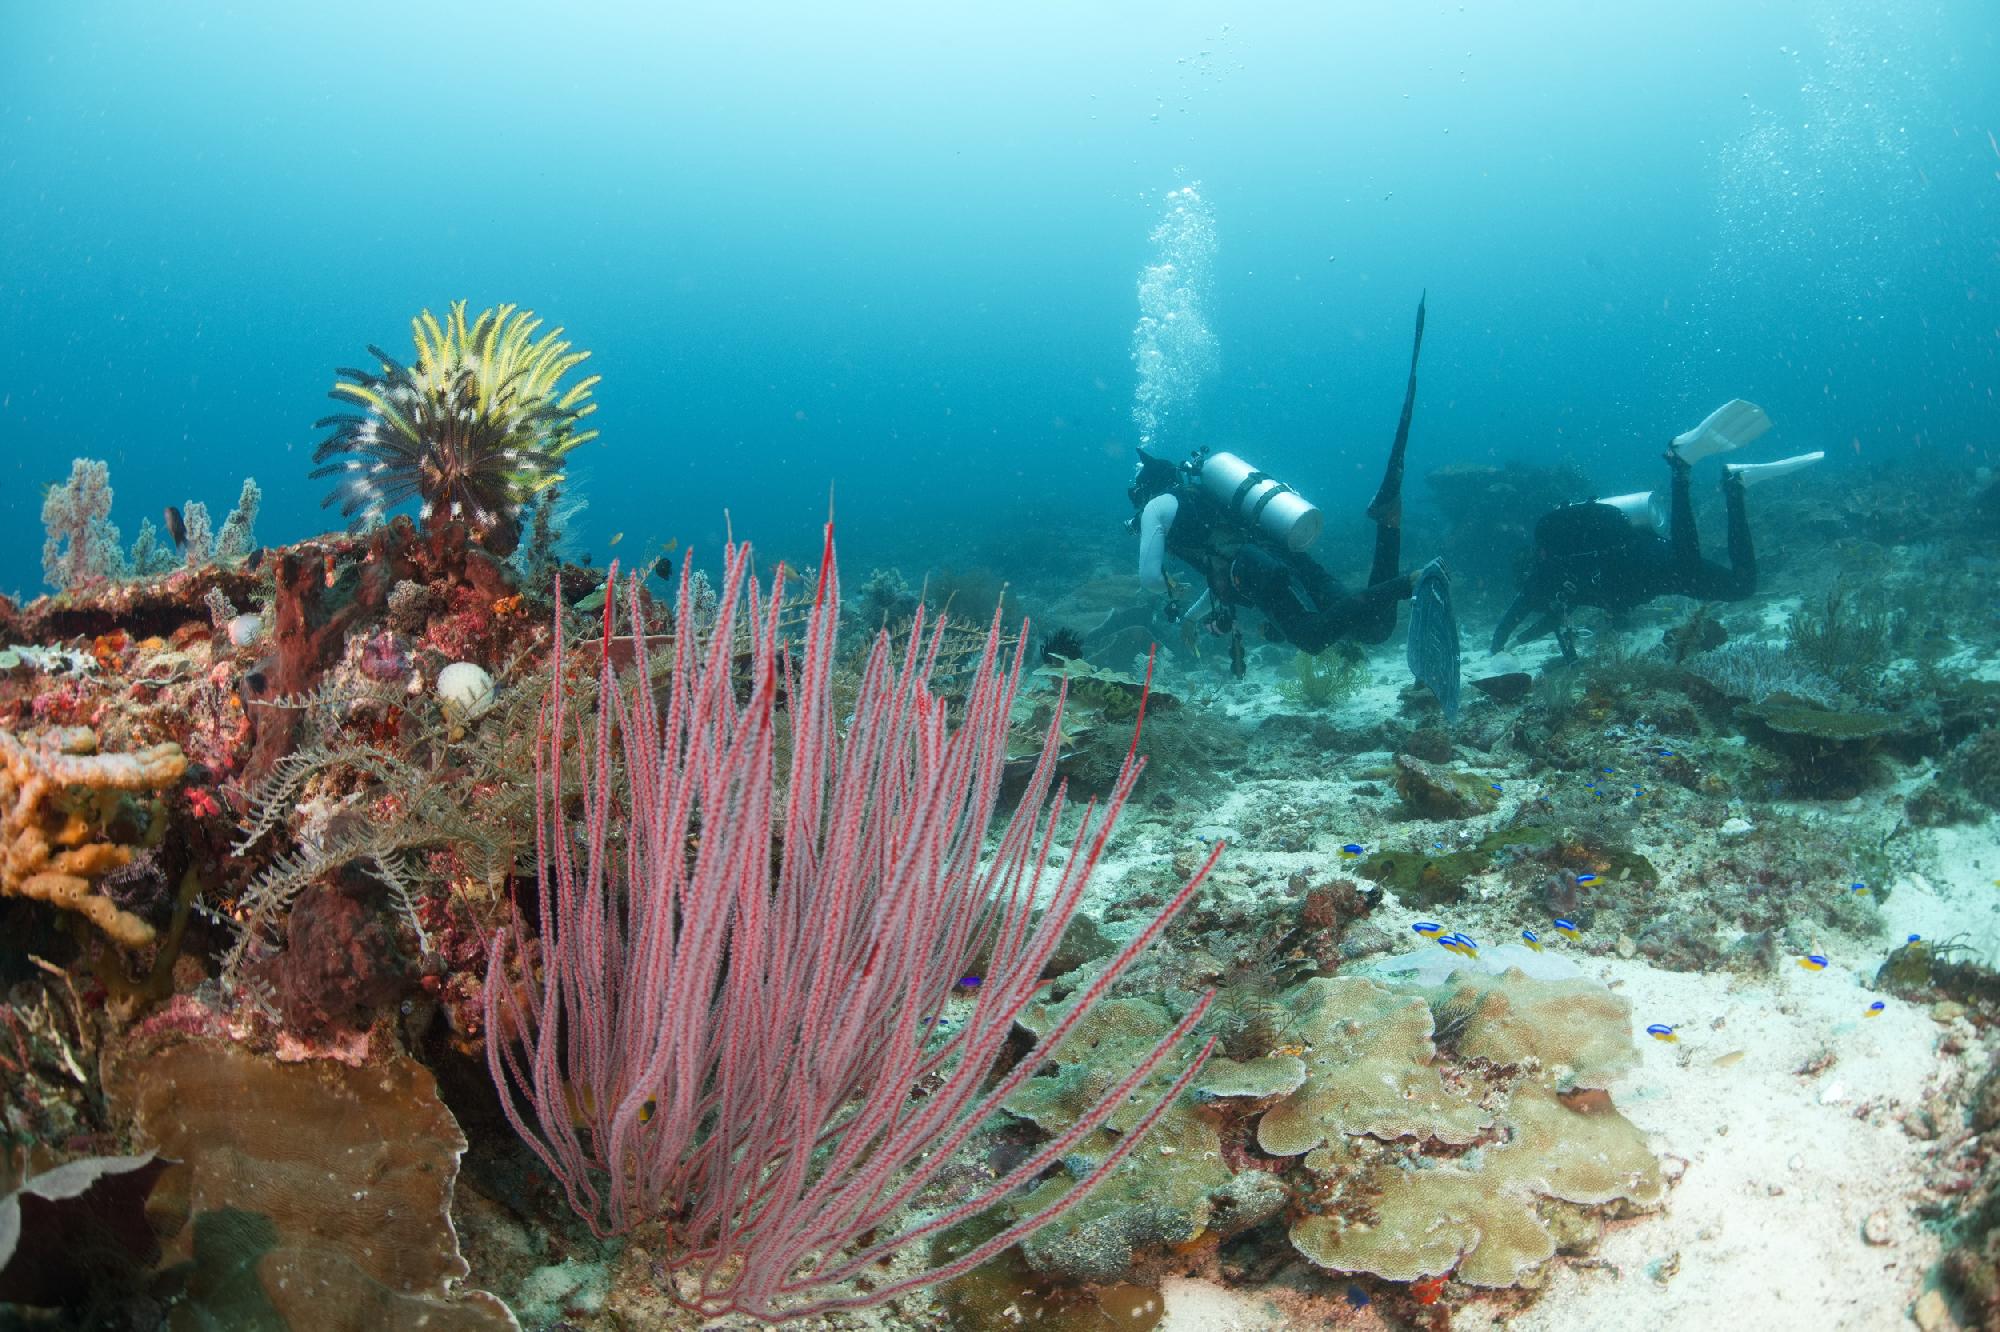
[896, 249]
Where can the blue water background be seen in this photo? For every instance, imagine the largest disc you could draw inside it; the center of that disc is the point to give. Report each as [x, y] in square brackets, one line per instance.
[893, 248]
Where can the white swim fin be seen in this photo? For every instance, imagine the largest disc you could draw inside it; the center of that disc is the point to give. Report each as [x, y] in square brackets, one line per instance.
[1730, 426]
[1752, 473]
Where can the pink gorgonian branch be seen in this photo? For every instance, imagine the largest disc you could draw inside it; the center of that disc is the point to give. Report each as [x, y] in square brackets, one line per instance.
[730, 1019]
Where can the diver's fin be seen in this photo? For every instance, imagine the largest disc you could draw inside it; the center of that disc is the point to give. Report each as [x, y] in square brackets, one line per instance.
[1751, 473]
[1730, 426]
[1387, 506]
[1433, 646]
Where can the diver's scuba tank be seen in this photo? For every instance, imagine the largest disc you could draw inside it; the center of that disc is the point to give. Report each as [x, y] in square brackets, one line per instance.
[1260, 502]
[1644, 509]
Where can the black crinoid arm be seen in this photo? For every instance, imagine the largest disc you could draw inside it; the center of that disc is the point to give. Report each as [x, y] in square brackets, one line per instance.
[470, 432]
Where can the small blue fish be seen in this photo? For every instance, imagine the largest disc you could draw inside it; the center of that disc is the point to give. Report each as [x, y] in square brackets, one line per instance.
[1568, 929]
[1356, 1296]
[1607, 769]
[1494, 785]
[1528, 938]
[1428, 928]
[1660, 1031]
[1353, 850]
[1913, 940]
[1874, 1009]
[1813, 962]
[1664, 753]
[1462, 944]
[969, 982]
[1583, 879]
[1857, 887]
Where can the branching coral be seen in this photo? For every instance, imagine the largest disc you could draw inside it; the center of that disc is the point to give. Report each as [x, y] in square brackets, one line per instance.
[58, 799]
[239, 530]
[81, 544]
[478, 425]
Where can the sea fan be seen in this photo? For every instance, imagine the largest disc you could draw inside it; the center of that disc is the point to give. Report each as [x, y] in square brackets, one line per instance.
[479, 424]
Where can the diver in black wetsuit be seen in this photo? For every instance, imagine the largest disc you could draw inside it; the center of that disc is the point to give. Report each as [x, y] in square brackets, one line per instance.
[1610, 554]
[1248, 535]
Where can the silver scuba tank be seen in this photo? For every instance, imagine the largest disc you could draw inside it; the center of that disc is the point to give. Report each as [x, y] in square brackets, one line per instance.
[1259, 501]
[1644, 509]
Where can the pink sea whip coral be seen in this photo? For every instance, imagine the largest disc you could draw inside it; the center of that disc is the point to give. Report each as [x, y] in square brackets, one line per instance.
[736, 1044]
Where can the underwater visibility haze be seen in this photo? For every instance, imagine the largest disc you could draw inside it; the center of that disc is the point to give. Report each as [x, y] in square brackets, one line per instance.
[1325, 665]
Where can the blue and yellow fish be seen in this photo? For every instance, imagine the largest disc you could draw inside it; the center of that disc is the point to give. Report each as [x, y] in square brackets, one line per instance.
[1461, 944]
[1528, 938]
[1585, 879]
[1857, 887]
[1429, 929]
[1913, 941]
[1660, 1031]
[1568, 929]
[1353, 850]
[1813, 961]
[1874, 1009]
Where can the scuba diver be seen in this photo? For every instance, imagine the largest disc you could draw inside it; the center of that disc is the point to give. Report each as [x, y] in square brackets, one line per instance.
[1249, 536]
[1621, 552]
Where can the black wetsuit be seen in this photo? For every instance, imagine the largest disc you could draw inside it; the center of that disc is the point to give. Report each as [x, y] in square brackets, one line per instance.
[1304, 602]
[1591, 555]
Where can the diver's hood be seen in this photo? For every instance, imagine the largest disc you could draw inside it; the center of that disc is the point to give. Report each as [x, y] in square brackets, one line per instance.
[1153, 476]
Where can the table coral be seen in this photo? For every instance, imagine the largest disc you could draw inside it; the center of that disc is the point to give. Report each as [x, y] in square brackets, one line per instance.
[1403, 1213]
[64, 824]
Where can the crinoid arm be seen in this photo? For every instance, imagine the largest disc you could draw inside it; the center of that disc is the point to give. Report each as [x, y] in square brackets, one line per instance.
[476, 424]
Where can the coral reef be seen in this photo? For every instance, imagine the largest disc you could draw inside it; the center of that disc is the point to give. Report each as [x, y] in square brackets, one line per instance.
[1388, 1154]
[239, 530]
[1753, 672]
[1140, 1206]
[72, 816]
[81, 545]
[314, 1193]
